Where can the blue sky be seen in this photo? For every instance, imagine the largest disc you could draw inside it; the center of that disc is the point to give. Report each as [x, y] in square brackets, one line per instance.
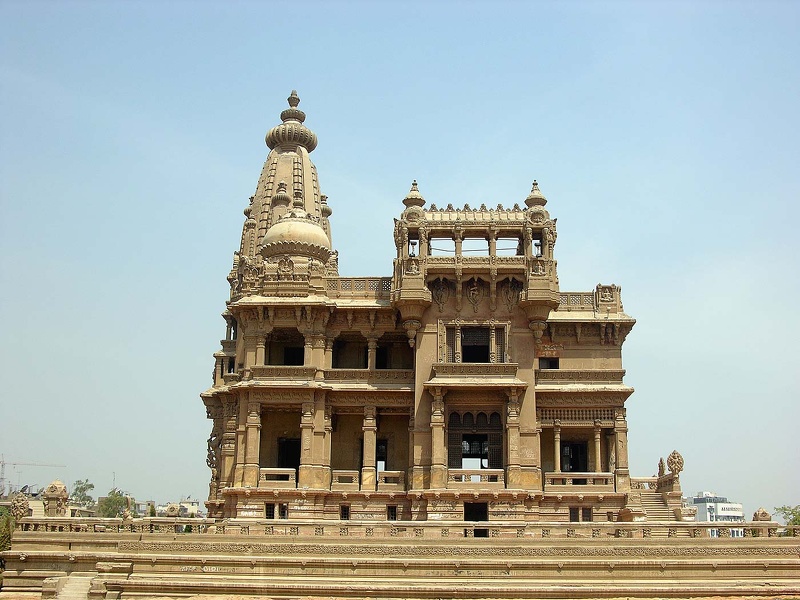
[665, 136]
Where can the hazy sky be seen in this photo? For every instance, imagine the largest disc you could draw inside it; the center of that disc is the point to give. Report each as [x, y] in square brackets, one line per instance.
[666, 137]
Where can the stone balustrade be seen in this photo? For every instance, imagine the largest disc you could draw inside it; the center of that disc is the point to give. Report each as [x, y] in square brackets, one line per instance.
[277, 478]
[292, 373]
[571, 482]
[475, 477]
[344, 480]
[600, 531]
[359, 287]
[391, 481]
[377, 376]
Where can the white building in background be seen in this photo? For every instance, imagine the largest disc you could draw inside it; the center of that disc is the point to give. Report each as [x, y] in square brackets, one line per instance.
[714, 508]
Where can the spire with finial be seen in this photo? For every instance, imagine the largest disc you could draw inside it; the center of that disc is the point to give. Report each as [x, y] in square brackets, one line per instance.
[535, 198]
[291, 133]
[414, 198]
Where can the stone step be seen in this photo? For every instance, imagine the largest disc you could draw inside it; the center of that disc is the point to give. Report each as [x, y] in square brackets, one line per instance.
[76, 588]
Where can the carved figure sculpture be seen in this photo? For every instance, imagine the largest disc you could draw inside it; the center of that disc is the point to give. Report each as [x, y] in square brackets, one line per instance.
[19, 506]
[675, 462]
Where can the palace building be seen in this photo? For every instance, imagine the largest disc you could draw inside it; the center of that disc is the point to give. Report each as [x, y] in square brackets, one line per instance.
[367, 433]
[463, 385]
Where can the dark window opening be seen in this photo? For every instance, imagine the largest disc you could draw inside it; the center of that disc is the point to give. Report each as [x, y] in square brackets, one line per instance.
[344, 512]
[586, 514]
[548, 363]
[231, 365]
[575, 458]
[391, 512]
[350, 352]
[382, 357]
[234, 329]
[289, 453]
[269, 511]
[536, 243]
[285, 347]
[382, 455]
[475, 345]
[574, 514]
[283, 511]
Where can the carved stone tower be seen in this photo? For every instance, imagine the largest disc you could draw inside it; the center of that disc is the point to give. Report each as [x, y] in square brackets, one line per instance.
[465, 387]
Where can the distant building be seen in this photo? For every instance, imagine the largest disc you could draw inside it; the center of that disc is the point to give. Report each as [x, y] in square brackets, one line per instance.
[714, 508]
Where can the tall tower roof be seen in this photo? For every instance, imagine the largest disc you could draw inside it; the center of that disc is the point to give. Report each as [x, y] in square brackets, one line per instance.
[288, 184]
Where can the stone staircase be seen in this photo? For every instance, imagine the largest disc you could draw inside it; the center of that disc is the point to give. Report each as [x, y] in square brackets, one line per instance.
[76, 588]
[655, 508]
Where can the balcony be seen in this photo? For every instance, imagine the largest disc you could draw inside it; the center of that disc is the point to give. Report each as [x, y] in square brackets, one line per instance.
[344, 480]
[475, 478]
[578, 483]
[277, 478]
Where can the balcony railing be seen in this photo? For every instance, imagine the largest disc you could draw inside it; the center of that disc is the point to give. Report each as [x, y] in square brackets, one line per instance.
[475, 478]
[359, 287]
[293, 373]
[572, 481]
[277, 478]
[391, 481]
[344, 480]
[371, 375]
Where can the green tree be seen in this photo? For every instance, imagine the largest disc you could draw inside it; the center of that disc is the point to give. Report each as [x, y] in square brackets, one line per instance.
[790, 514]
[113, 504]
[6, 529]
[80, 493]
[151, 512]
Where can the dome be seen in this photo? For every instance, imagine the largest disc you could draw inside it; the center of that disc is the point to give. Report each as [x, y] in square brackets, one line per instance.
[297, 234]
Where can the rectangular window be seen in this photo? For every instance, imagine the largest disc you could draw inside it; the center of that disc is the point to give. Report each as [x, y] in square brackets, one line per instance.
[475, 344]
[344, 512]
[270, 511]
[574, 514]
[391, 512]
[283, 511]
[548, 363]
[586, 514]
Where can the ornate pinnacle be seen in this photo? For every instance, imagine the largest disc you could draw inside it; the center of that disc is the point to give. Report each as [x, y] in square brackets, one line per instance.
[535, 198]
[414, 198]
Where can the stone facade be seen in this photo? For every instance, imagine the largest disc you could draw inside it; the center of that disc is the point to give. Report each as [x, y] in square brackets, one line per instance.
[466, 385]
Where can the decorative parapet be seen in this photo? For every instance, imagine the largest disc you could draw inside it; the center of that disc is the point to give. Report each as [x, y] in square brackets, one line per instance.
[583, 376]
[376, 376]
[359, 287]
[293, 373]
[471, 369]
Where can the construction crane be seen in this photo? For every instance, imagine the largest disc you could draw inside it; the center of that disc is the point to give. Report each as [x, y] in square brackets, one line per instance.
[3, 464]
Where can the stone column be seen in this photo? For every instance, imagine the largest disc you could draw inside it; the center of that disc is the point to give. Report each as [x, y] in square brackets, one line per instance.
[327, 450]
[598, 458]
[228, 446]
[557, 446]
[370, 430]
[308, 349]
[492, 241]
[252, 445]
[328, 364]
[622, 474]
[261, 350]
[372, 347]
[513, 470]
[306, 439]
[438, 464]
